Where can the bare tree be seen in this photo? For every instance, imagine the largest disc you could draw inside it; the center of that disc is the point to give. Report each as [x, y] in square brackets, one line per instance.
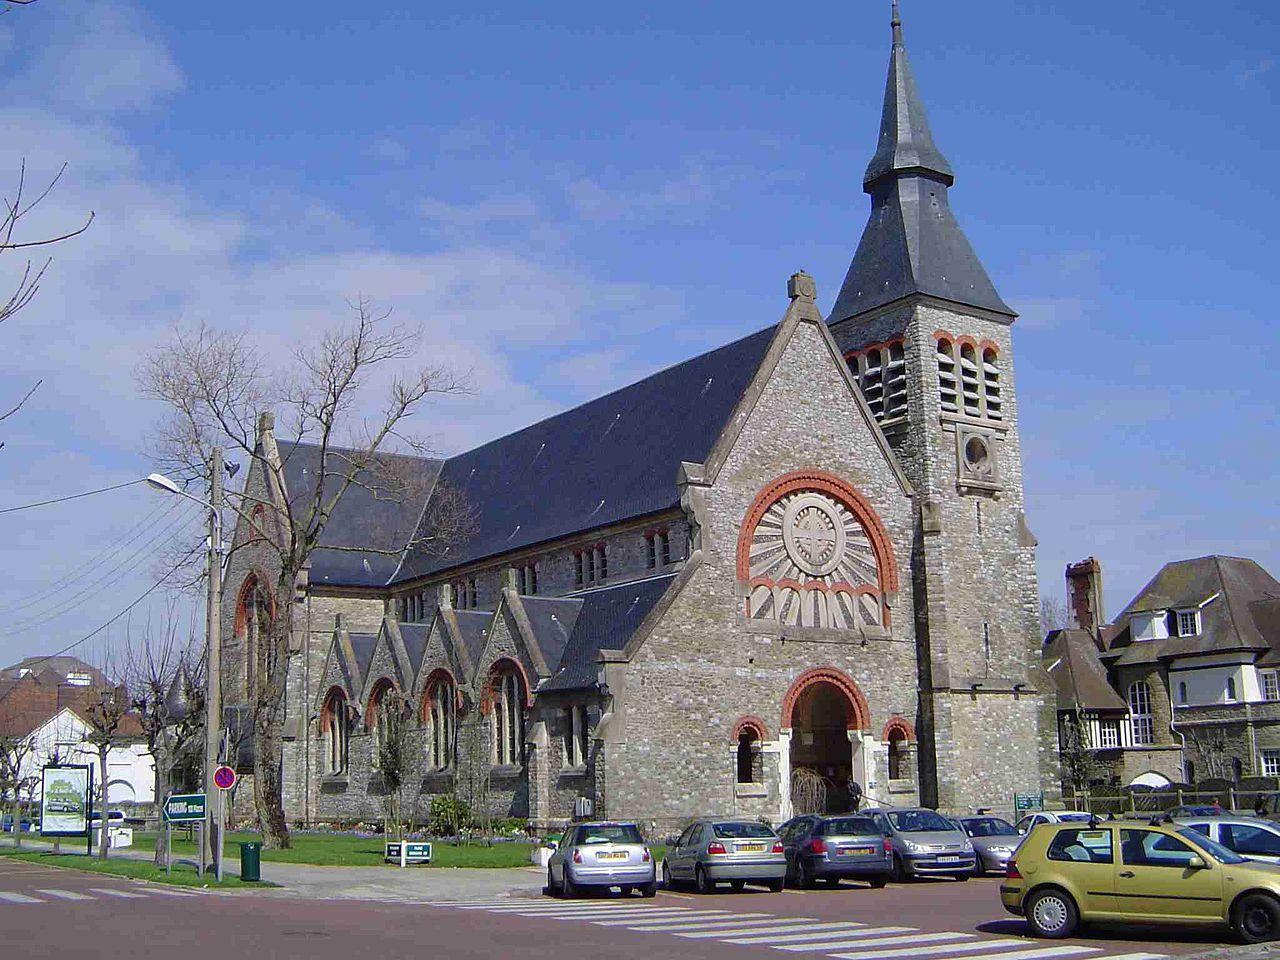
[393, 724]
[16, 749]
[165, 676]
[215, 385]
[1053, 615]
[105, 714]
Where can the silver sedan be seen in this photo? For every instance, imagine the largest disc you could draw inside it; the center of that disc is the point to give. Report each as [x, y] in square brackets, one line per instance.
[994, 840]
[736, 852]
[601, 855]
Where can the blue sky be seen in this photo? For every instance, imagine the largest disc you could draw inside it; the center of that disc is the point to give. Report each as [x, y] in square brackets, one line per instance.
[568, 197]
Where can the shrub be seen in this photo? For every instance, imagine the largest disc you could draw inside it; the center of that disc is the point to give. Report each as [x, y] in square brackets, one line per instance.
[447, 816]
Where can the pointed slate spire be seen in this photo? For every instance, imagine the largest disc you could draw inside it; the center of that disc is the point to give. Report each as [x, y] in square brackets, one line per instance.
[912, 243]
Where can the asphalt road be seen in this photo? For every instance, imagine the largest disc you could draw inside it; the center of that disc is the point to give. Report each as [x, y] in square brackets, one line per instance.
[45, 912]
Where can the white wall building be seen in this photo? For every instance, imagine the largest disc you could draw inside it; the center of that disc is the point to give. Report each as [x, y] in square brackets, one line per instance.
[131, 769]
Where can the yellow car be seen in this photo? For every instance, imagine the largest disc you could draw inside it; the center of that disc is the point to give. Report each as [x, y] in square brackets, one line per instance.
[1063, 873]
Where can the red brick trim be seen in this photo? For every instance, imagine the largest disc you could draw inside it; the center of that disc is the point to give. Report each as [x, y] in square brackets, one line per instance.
[752, 723]
[966, 339]
[991, 345]
[332, 697]
[882, 345]
[496, 670]
[901, 724]
[833, 485]
[857, 713]
[253, 579]
[944, 335]
[377, 693]
[433, 680]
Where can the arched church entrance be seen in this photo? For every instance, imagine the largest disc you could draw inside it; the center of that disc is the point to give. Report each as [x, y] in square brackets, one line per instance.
[826, 713]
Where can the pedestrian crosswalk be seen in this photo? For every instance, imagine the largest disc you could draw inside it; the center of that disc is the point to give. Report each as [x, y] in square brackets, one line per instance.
[111, 894]
[842, 939]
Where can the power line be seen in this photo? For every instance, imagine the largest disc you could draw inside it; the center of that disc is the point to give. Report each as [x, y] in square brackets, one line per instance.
[146, 593]
[74, 496]
[166, 534]
[149, 521]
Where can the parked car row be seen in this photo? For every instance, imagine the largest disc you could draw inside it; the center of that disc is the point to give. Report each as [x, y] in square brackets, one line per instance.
[872, 845]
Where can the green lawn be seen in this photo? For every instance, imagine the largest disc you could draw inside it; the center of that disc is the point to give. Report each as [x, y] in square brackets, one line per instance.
[344, 850]
[183, 874]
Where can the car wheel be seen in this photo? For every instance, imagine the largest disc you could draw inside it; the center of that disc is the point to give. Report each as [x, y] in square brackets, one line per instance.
[627, 891]
[702, 882]
[552, 891]
[668, 882]
[1052, 914]
[737, 885]
[777, 886]
[568, 889]
[878, 881]
[899, 870]
[831, 881]
[649, 890]
[803, 879]
[1256, 918]
[963, 876]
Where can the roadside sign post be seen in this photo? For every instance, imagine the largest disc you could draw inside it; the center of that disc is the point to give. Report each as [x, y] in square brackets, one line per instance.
[185, 808]
[1026, 802]
[224, 778]
[66, 803]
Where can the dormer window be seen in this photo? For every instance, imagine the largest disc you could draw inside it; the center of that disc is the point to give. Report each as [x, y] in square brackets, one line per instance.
[1188, 623]
[1149, 625]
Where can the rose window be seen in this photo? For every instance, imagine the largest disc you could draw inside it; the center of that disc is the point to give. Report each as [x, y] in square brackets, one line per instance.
[812, 563]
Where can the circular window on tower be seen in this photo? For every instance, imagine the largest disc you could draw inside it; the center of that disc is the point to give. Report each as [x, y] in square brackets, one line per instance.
[977, 456]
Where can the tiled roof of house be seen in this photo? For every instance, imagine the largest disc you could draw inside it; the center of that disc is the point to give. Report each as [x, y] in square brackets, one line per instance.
[1078, 674]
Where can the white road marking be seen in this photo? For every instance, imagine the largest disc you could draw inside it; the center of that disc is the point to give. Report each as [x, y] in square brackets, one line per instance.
[554, 905]
[877, 941]
[779, 925]
[808, 931]
[693, 916]
[731, 922]
[18, 897]
[722, 918]
[163, 891]
[64, 894]
[118, 893]
[668, 912]
[1041, 953]
[943, 948]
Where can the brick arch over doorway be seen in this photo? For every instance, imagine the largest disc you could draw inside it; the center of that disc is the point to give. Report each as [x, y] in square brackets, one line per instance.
[857, 713]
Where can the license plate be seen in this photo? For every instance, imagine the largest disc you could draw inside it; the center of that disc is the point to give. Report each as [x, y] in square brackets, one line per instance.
[948, 859]
[619, 855]
[857, 851]
[751, 848]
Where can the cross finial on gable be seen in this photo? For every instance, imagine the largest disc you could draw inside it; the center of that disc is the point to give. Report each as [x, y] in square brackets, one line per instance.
[801, 286]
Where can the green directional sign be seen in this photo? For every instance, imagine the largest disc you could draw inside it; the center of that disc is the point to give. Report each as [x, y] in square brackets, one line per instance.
[1023, 802]
[184, 807]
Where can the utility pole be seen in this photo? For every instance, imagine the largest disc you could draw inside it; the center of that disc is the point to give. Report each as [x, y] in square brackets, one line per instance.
[213, 662]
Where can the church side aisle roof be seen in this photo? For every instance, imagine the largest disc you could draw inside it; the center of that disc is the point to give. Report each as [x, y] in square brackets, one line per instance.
[608, 460]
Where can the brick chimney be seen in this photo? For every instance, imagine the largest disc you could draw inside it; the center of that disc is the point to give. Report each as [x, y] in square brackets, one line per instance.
[1084, 595]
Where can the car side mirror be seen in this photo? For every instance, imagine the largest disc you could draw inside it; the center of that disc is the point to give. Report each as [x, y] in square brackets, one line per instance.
[1197, 863]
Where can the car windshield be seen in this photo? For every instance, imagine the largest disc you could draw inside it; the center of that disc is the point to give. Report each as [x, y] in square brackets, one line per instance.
[988, 827]
[1211, 847]
[609, 833]
[920, 821]
[849, 827]
[741, 831]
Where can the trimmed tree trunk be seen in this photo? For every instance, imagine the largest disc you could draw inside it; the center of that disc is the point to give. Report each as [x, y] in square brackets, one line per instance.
[103, 845]
[161, 753]
[268, 753]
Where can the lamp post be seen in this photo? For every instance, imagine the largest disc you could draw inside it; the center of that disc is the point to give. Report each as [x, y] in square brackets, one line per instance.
[213, 640]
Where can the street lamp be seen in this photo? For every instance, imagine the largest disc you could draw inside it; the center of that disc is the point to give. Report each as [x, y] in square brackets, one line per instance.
[213, 641]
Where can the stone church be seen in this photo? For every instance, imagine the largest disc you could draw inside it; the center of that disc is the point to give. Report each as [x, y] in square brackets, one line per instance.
[794, 563]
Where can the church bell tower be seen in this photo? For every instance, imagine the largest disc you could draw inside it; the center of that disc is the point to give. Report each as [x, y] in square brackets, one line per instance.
[927, 337]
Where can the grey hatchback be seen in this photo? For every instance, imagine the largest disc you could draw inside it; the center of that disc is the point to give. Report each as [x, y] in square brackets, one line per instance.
[601, 855]
[925, 843]
[834, 848]
[736, 852]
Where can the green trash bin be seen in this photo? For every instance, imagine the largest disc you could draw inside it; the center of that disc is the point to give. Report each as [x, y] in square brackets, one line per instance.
[251, 860]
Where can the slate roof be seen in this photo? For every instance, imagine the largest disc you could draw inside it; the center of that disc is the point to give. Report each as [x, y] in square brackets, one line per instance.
[473, 625]
[1078, 674]
[362, 645]
[552, 620]
[912, 242]
[415, 636]
[61, 666]
[1228, 623]
[372, 513]
[611, 459]
[606, 621]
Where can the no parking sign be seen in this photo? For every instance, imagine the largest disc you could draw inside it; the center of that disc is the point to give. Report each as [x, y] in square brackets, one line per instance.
[224, 778]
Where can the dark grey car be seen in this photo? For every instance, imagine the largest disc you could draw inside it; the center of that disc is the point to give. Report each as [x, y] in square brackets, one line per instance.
[836, 848]
[736, 852]
[994, 840]
[925, 843]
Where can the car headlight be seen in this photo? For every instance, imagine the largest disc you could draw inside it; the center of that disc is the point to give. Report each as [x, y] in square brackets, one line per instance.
[968, 847]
